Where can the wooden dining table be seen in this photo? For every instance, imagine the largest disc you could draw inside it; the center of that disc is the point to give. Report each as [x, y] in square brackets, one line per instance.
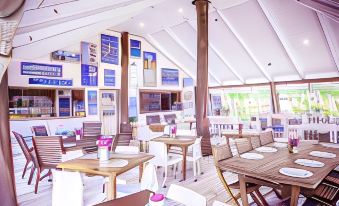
[267, 169]
[182, 142]
[89, 164]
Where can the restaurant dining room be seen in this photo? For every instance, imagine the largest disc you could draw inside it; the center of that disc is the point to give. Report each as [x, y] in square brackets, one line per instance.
[169, 102]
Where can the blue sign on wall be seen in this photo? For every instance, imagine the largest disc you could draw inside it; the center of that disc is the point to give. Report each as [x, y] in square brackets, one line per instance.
[52, 82]
[109, 77]
[135, 48]
[35, 69]
[92, 102]
[132, 107]
[170, 76]
[188, 82]
[89, 75]
[64, 107]
[109, 49]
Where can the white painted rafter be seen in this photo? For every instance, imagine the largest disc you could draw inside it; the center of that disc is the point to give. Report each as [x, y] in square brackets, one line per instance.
[182, 45]
[282, 39]
[242, 42]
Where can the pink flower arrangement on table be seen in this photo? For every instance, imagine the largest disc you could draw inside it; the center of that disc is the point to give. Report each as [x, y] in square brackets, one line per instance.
[293, 141]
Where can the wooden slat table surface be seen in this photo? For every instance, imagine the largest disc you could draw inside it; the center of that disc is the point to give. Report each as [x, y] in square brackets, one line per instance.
[268, 167]
[88, 164]
[179, 141]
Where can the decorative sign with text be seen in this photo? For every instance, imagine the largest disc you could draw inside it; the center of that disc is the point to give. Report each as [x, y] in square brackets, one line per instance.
[36, 69]
[109, 49]
[50, 82]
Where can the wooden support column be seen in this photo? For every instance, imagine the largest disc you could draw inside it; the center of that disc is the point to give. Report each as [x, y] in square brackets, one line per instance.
[202, 75]
[124, 78]
[274, 97]
[7, 180]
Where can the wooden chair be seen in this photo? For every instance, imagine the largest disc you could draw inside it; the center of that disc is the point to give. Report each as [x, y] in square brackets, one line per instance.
[255, 141]
[223, 152]
[40, 130]
[28, 153]
[49, 152]
[266, 137]
[243, 145]
[90, 133]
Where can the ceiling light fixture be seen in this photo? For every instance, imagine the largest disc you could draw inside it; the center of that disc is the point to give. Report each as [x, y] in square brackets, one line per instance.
[180, 10]
[141, 24]
[306, 41]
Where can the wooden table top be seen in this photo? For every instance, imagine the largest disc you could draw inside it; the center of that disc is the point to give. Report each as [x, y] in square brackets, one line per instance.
[268, 167]
[178, 140]
[90, 164]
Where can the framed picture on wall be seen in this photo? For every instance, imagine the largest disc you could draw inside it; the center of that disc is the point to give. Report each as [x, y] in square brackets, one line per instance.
[170, 77]
[92, 102]
[109, 49]
[150, 69]
[135, 46]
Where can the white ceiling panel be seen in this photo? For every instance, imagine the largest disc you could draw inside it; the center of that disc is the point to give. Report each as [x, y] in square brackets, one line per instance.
[259, 38]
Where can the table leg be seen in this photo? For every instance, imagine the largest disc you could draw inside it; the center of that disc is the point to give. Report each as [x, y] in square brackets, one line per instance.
[111, 188]
[141, 169]
[184, 154]
[243, 189]
[295, 191]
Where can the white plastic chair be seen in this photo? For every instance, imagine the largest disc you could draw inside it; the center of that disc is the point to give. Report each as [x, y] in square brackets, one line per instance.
[71, 155]
[218, 203]
[185, 196]
[68, 190]
[149, 181]
[161, 158]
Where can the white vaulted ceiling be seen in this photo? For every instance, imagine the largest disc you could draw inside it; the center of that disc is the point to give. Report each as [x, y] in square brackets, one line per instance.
[250, 41]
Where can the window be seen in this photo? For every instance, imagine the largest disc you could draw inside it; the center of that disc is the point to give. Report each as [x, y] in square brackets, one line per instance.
[324, 98]
[157, 101]
[293, 98]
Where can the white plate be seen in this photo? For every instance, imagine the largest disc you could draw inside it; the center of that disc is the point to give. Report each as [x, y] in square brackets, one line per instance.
[252, 156]
[322, 154]
[309, 163]
[114, 163]
[266, 149]
[280, 145]
[294, 172]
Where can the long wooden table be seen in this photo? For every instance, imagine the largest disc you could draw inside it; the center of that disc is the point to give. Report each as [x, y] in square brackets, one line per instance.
[268, 169]
[89, 164]
[179, 141]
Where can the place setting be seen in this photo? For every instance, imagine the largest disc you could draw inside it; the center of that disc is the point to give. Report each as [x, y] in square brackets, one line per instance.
[252, 156]
[322, 154]
[266, 149]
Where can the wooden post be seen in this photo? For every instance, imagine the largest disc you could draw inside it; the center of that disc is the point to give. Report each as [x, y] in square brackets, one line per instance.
[7, 180]
[202, 75]
[124, 77]
[274, 97]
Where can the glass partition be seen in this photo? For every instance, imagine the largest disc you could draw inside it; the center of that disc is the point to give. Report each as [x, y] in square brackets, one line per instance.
[293, 98]
[325, 98]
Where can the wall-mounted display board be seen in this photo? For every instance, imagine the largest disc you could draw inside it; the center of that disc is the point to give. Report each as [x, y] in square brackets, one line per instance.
[109, 49]
[170, 77]
[150, 69]
[109, 77]
[135, 48]
[92, 102]
[89, 64]
[50, 82]
[36, 69]
[66, 56]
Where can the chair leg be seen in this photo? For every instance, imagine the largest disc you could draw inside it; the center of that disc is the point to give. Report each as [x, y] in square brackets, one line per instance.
[46, 175]
[25, 168]
[221, 177]
[261, 197]
[165, 178]
[195, 171]
[31, 175]
[175, 171]
[255, 199]
[277, 193]
[37, 181]
[199, 167]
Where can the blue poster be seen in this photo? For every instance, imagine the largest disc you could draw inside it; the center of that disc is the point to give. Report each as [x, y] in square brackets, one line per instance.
[135, 48]
[109, 49]
[109, 77]
[188, 82]
[51, 82]
[64, 107]
[92, 102]
[35, 69]
[132, 107]
[89, 54]
[170, 77]
[89, 75]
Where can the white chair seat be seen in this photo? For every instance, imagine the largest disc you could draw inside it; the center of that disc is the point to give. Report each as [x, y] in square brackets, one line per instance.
[71, 155]
[185, 196]
[174, 160]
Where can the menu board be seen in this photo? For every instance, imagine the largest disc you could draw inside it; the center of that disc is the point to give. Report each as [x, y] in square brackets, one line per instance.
[109, 49]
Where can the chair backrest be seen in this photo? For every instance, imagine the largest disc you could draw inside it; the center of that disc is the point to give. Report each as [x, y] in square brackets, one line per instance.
[149, 180]
[152, 119]
[91, 130]
[23, 145]
[255, 141]
[196, 149]
[185, 196]
[221, 152]
[159, 150]
[67, 189]
[169, 117]
[127, 149]
[266, 137]
[39, 131]
[243, 145]
[218, 203]
[48, 150]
